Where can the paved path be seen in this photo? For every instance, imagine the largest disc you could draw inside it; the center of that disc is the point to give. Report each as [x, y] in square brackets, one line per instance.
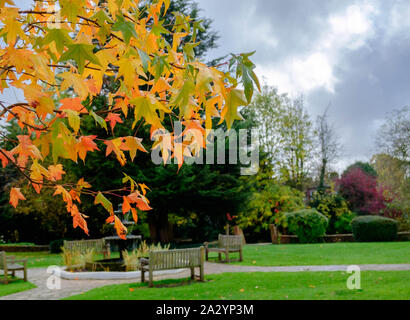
[73, 287]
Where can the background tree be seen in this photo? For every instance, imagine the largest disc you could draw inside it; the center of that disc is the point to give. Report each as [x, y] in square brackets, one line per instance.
[296, 136]
[286, 135]
[393, 137]
[393, 177]
[329, 147]
[366, 167]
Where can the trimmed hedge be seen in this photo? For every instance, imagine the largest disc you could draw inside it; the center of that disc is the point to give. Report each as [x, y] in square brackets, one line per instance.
[374, 229]
[309, 225]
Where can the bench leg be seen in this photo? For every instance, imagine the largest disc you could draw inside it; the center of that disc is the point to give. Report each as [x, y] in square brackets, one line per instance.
[142, 275]
[6, 280]
[219, 257]
[206, 255]
[13, 273]
[240, 256]
[25, 274]
[192, 273]
[227, 256]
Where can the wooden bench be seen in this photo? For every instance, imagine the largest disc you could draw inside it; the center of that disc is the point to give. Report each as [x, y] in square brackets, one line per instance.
[171, 260]
[8, 264]
[99, 246]
[226, 245]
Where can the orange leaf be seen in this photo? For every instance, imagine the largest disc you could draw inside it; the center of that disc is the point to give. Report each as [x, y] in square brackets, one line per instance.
[78, 219]
[113, 118]
[134, 214]
[85, 145]
[142, 205]
[73, 104]
[5, 156]
[56, 172]
[119, 227]
[126, 206]
[15, 196]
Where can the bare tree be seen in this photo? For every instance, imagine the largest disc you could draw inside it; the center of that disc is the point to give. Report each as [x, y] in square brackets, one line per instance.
[393, 137]
[329, 147]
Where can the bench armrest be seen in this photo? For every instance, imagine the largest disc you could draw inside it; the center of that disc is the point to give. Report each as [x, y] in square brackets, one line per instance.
[209, 244]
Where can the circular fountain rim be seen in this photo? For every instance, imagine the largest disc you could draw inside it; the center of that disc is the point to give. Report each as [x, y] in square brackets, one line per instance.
[66, 275]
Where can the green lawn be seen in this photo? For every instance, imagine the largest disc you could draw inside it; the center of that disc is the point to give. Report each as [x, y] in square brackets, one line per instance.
[265, 286]
[14, 287]
[44, 259]
[285, 255]
[326, 254]
[38, 259]
[18, 244]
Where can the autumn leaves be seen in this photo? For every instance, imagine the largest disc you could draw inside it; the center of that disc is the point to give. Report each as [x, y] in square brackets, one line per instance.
[62, 65]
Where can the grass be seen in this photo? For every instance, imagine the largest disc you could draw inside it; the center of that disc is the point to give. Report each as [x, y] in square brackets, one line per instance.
[284, 255]
[38, 259]
[45, 259]
[18, 244]
[326, 254]
[265, 286]
[15, 286]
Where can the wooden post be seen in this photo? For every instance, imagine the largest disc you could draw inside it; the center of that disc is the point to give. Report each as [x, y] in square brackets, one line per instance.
[274, 234]
[25, 271]
[151, 272]
[201, 269]
[238, 232]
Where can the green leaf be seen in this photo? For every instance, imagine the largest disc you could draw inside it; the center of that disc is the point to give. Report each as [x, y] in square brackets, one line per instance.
[145, 60]
[80, 53]
[73, 120]
[99, 120]
[126, 27]
[100, 199]
[101, 16]
[60, 37]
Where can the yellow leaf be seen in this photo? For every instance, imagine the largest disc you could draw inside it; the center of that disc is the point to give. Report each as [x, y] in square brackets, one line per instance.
[133, 145]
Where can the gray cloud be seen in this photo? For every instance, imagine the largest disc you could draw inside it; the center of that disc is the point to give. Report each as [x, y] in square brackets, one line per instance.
[353, 54]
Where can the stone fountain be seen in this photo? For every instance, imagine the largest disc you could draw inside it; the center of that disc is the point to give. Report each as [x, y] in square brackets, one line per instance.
[117, 245]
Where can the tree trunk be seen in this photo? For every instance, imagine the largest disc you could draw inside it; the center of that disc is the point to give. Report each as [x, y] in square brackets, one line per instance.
[322, 175]
[160, 228]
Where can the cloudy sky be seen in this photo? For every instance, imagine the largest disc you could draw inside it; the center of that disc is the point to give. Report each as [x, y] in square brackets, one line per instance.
[352, 54]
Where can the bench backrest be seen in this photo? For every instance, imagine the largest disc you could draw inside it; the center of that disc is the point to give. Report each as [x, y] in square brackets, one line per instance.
[85, 245]
[176, 259]
[231, 242]
[2, 260]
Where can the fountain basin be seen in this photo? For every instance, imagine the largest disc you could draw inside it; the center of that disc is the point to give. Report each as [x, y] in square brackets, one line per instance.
[136, 275]
[107, 265]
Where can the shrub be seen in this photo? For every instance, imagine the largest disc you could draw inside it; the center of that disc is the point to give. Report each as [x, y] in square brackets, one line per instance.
[309, 225]
[56, 245]
[268, 206]
[362, 192]
[336, 209]
[374, 228]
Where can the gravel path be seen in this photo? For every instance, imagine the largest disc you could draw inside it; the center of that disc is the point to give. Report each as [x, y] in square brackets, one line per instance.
[73, 287]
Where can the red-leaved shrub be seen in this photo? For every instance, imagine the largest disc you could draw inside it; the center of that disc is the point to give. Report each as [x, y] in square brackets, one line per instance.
[362, 192]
